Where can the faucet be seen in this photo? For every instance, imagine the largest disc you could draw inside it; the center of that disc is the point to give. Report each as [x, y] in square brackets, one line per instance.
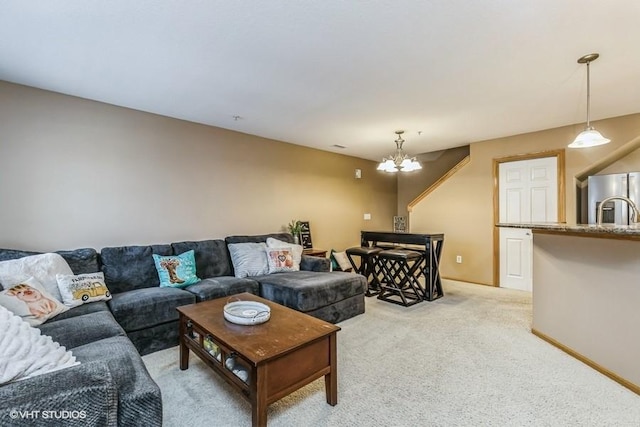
[635, 217]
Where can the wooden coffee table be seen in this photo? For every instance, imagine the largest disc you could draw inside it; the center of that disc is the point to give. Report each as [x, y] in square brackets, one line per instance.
[264, 362]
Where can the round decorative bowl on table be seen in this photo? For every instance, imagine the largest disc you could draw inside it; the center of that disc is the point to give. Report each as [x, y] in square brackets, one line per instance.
[247, 312]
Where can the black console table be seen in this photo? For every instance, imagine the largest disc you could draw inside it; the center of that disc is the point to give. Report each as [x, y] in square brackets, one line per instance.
[430, 245]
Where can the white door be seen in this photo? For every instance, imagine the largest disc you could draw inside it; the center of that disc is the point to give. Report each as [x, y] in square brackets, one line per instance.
[528, 193]
[516, 253]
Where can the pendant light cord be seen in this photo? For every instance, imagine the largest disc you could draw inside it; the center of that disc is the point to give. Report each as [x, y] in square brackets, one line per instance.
[588, 97]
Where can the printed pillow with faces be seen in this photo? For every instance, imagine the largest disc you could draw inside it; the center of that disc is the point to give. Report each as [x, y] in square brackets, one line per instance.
[280, 259]
[83, 288]
[29, 300]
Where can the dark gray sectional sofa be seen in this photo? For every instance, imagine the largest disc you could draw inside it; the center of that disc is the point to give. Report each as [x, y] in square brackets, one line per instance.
[112, 383]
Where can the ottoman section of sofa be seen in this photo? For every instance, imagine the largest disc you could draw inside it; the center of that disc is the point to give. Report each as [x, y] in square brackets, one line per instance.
[223, 286]
[308, 291]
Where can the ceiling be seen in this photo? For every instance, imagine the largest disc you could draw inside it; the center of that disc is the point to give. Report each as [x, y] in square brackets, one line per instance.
[319, 73]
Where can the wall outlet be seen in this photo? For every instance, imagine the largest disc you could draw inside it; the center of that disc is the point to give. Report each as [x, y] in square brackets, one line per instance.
[367, 216]
[459, 259]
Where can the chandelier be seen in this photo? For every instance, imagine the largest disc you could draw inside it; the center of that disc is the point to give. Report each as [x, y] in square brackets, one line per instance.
[399, 161]
[589, 137]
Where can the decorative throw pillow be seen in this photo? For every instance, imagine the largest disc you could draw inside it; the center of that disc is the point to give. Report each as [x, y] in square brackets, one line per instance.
[29, 300]
[295, 249]
[25, 353]
[342, 260]
[76, 290]
[42, 267]
[280, 259]
[176, 271]
[249, 259]
[334, 263]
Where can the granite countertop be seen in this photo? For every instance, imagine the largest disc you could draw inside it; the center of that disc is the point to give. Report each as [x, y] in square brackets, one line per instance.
[588, 230]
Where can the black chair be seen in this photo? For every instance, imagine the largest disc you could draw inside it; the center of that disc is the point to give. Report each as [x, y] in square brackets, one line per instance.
[400, 270]
[366, 267]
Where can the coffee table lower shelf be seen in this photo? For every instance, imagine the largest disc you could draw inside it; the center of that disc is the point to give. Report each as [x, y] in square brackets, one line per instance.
[265, 381]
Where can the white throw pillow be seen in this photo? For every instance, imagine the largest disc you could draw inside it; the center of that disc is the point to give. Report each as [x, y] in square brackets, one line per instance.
[296, 249]
[29, 300]
[343, 260]
[42, 267]
[83, 288]
[249, 259]
[280, 259]
[25, 353]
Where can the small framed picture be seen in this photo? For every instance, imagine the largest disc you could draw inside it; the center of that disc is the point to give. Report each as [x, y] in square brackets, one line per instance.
[400, 224]
[305, 235]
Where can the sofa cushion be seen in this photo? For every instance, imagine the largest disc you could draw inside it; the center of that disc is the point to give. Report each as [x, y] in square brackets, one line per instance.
[261, 238]
[80, 260]
[131, 267]
[315, 263]
[143, 308]
[81, 330]
[223, 286]
[212, 257]
[93, 307]
[139, 399]
[156, 338]
[306, 290]
[7, 254]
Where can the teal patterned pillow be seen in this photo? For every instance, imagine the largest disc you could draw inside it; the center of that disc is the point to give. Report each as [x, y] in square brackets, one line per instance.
[176, 271]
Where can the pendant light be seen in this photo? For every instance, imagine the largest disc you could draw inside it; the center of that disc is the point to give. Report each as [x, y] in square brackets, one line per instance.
[399, 161]
[589, 137]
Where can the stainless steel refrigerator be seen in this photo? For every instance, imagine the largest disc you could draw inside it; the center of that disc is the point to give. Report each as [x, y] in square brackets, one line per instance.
[599, 187]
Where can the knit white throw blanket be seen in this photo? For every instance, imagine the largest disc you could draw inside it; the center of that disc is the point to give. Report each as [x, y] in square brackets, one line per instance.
[25, 353]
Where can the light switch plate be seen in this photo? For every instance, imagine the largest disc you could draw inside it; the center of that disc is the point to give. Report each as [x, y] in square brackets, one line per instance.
[367, 216]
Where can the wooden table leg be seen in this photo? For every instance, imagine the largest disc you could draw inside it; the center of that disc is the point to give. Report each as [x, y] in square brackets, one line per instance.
[331, 379]
[184, 350]
[259, 399]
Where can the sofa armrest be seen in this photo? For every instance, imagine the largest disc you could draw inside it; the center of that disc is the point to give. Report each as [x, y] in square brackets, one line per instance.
[313, 263]
[83, 395]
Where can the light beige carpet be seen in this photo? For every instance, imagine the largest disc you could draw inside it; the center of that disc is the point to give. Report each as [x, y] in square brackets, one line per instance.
[468, 359]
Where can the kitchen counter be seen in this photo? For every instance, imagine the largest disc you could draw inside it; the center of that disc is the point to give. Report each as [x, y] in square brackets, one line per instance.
[586, 294]
[607, 231]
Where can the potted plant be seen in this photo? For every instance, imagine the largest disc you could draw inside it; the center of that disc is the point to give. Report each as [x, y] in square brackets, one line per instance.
[295, 227]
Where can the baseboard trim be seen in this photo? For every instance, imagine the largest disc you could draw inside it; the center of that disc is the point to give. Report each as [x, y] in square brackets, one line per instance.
[465, 281]
[604, 371]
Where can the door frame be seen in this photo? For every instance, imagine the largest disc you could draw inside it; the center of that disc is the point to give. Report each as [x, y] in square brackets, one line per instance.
[560, 163]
